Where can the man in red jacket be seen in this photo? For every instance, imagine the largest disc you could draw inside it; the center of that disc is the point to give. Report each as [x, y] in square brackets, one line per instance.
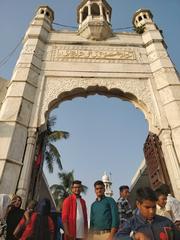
[74, 214]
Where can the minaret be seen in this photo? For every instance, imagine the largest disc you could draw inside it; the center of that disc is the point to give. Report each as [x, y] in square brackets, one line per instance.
[108, 184]
[165, 82]
[143, 19]
[94, 19]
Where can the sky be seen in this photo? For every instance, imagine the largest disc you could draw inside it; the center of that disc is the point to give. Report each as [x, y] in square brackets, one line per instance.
[106, 134]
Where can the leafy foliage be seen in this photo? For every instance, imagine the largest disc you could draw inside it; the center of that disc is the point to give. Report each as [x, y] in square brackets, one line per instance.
[51, 153]
[63, 190]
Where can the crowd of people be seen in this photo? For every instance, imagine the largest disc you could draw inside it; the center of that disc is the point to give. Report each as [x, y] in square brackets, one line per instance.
[155, 217]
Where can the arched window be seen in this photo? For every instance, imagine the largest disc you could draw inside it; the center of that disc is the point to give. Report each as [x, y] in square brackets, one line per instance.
[95, 11]
[85, 13]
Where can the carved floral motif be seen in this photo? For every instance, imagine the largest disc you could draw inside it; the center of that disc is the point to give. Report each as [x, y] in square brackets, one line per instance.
[140, 88]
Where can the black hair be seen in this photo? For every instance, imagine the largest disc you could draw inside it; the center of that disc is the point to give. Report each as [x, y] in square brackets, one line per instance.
[41, 229]
[165, 189]
[76, 182]
[32, 204]
[123, 187]
[159, 193]
[145, 193]
[99, 182]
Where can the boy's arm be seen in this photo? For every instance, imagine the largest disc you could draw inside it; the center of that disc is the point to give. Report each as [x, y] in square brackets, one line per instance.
[124, 232]
[140, 236]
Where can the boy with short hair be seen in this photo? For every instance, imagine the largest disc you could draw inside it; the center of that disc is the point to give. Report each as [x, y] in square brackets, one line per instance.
[161, 204]
[145, 224]
[172, 205]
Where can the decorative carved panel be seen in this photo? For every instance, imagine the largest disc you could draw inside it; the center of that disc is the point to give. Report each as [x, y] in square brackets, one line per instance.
[88, 54]
[139, 88]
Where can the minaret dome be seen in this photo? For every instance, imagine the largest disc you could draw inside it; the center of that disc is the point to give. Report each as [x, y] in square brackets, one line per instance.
[94, 19]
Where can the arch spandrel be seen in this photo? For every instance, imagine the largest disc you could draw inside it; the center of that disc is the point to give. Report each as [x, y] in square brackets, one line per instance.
[136, 91]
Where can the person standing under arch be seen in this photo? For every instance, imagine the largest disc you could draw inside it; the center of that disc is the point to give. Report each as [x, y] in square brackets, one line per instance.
[104, 220]
[74, 214]
[124, 207]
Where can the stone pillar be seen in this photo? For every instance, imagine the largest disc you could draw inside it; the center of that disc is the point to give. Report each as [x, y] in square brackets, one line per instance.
[25, 177]
[80, 16]
[89, 9]
[101, 9]
[171, 160]
[108, 18]
[17, 107]
[167, 86]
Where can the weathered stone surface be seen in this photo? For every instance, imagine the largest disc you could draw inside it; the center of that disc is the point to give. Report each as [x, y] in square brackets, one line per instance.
[3, 89]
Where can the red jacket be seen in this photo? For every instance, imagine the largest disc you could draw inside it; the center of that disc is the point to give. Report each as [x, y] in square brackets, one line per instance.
[69, 214]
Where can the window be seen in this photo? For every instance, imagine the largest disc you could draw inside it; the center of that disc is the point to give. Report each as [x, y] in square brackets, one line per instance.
[95, 10]
[85, 13]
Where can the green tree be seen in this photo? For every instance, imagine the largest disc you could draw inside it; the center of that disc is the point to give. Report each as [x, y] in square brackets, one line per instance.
[63, 190]
[50, 152]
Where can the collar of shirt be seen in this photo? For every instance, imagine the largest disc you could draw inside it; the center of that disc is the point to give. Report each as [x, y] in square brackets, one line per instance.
[75, 196]
[160, 208]
[100, 198]
[144, 219]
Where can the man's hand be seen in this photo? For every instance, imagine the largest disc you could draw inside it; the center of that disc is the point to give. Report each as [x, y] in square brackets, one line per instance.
[140, 236]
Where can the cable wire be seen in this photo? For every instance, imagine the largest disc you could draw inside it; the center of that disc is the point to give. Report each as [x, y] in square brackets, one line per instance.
[69, 26]
[62, 25]
[6, 59]
[123, 28]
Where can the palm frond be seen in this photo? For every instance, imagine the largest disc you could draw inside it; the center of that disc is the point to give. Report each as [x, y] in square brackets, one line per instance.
[49, 161]
[55, 155]
[51, 121]
[58, 135]
[66, 178]
[84, 189]
[62, 190]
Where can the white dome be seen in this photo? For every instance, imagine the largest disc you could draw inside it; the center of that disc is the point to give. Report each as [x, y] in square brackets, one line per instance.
[105, 178]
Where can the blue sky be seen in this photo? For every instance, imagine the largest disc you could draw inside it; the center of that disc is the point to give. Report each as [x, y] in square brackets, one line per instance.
[106, 134]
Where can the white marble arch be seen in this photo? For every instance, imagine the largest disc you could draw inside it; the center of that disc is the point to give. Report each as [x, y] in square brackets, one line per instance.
[136, 91]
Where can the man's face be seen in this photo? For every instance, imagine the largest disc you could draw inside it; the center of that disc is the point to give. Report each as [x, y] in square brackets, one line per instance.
[76, 189]
[99, 190]
[125, 193]
[147, 209]
[162, 199]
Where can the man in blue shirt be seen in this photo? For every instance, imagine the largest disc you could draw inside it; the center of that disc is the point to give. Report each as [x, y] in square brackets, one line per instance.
[145, 224]
[104, 220]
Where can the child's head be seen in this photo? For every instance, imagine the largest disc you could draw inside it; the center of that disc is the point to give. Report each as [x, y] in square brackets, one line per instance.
[146, 202]
[31, 205]
[165, 189]
[124, 191]
[161, 198]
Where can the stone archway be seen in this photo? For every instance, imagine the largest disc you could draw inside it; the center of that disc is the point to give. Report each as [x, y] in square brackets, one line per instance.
[55, 66]
[58, 89]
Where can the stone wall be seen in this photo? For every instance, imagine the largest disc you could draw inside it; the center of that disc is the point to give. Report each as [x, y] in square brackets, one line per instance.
[3, 89]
